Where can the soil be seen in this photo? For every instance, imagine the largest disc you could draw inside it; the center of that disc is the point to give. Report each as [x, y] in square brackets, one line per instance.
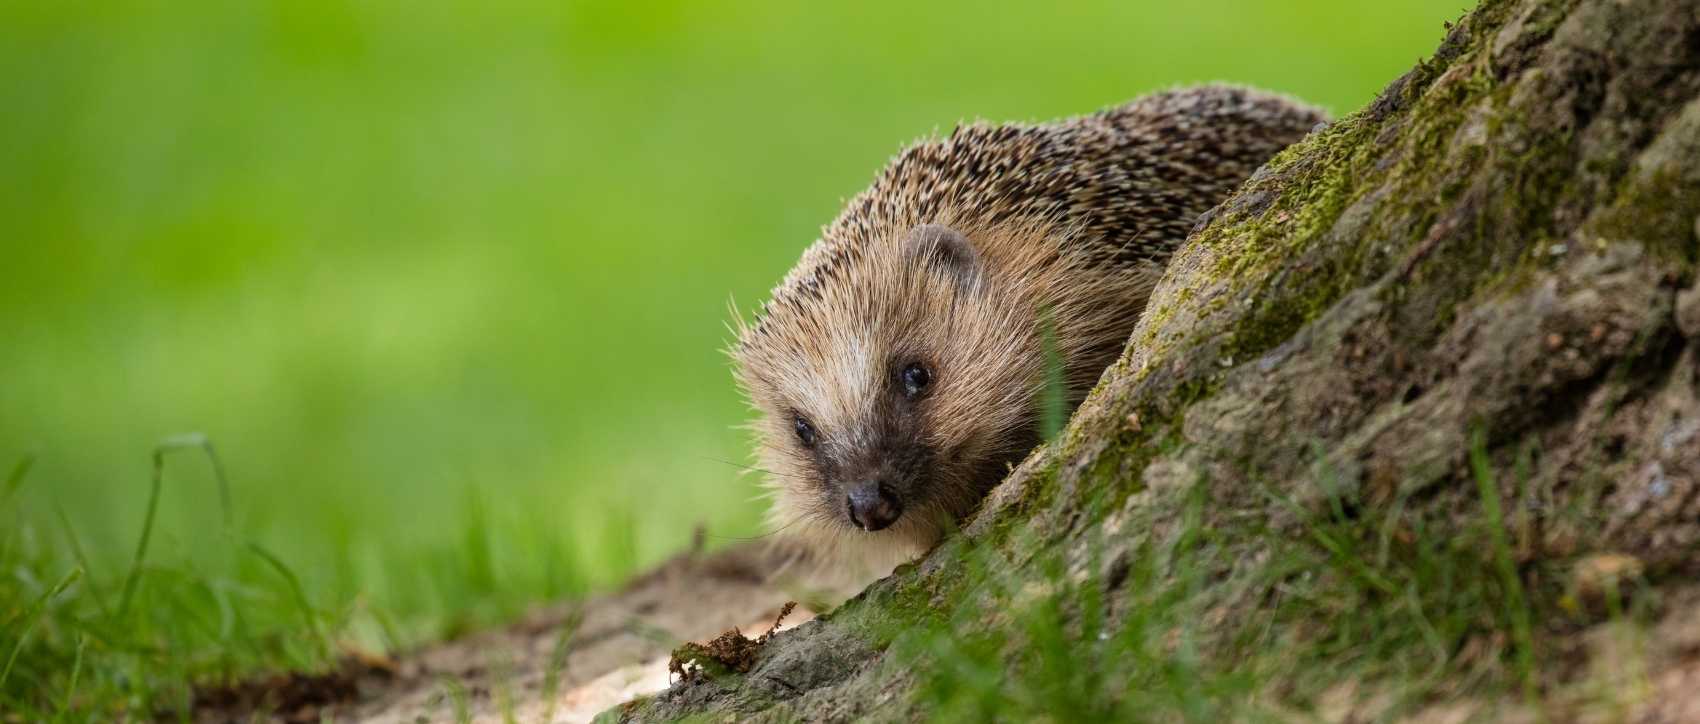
[618, 647]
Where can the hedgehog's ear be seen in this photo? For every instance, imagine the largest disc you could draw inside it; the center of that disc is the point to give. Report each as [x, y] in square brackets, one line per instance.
[943, 250]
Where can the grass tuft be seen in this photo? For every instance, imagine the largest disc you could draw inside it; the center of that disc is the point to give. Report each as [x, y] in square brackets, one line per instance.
[71, 688]
[557, 665]
[299, 594]
[1516, 608]
[1053, 395]
[31, 617]
[1251, 621]
[459, 701]
[173, 624]
[136, 644]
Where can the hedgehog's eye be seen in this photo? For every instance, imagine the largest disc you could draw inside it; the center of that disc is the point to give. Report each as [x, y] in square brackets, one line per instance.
[805, 431]
[915, 378]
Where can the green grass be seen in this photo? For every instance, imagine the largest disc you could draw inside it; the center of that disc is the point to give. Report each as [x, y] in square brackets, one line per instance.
[1240, 623]
[1063, 657]
[445, 285]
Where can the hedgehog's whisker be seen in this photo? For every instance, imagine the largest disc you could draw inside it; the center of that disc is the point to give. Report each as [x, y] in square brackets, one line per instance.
[769, 534]
[750, 468]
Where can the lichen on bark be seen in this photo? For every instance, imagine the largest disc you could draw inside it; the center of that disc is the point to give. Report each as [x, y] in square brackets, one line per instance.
[1465, 293]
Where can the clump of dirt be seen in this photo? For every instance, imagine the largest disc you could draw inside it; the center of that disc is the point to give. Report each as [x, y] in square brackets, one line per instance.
[730, 651]
[295, 696]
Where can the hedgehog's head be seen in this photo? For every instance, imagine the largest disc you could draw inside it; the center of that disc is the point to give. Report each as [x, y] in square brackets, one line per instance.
[895, 384]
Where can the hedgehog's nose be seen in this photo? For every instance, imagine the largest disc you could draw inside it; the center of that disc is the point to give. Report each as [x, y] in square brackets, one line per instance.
[872, 507]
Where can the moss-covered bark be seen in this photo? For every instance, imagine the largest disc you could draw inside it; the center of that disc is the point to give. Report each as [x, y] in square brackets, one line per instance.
[1463, 304]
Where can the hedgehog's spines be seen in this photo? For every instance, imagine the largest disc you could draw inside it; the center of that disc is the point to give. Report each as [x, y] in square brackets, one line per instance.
[1119, 174]
[1075, 218]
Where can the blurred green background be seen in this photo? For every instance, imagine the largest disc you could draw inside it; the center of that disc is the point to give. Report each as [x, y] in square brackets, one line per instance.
[447, 283]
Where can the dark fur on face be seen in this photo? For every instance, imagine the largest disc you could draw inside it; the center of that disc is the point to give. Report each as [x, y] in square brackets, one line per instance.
[955, 263]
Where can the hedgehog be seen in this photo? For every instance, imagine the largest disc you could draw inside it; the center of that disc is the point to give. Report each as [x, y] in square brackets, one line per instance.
[897, 371]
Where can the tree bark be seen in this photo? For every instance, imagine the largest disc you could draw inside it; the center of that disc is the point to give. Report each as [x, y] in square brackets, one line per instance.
[1472, 301]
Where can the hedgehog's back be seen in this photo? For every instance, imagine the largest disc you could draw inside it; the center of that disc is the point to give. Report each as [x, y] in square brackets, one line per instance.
[1124, 185]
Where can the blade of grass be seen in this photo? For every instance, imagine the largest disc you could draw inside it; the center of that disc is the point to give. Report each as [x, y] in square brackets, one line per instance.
[71, 688]
[82, 559]
[1335, 546]
[558, 661]
[300, 595]
[475, 541]
[1521, 628]
[193, 440]
[386, 625]
[1053, 397]
[31, 616]
[199, 441]
[1430, 636]
[505, 691]
[457, 696]
[15, 479]
[129, 590]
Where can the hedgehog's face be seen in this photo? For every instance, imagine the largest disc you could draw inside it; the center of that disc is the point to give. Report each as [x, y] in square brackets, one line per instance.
[897, 392]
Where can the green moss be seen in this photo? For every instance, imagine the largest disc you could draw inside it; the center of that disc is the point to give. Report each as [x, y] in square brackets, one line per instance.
[1295, 262]
[1311, 181]
[1312, 184]
[1661, 211]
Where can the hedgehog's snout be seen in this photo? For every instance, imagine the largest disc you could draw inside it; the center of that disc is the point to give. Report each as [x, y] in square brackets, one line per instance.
[872, 506]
